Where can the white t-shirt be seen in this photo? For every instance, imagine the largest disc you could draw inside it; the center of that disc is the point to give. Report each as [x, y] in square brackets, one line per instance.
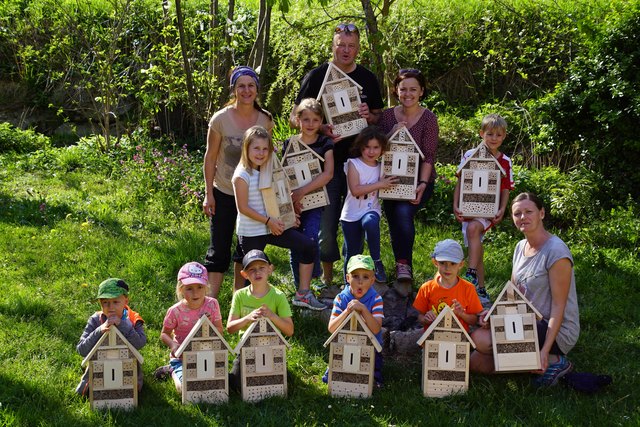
[355, 207]
[246, 226]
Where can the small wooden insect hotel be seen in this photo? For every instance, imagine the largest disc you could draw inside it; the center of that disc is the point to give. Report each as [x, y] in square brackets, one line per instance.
[352, 358]
[263, 361]
[445, 358]
[113, 372]
[402, 160]
[480, 176]
[514, 332]
[276, 193]
[302, 165]
[205, 355]
[340, 98]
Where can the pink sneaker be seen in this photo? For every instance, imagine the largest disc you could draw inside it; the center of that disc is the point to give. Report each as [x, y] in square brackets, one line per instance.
[403, 272]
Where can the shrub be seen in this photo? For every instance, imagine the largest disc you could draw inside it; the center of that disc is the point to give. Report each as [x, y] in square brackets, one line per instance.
[16, 140]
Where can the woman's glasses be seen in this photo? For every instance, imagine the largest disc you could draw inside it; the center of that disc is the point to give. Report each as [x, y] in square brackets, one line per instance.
[347, 28]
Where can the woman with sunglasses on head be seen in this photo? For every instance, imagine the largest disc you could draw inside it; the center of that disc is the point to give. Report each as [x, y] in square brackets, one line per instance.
[423, 127]
[224, 147]
[345, 48]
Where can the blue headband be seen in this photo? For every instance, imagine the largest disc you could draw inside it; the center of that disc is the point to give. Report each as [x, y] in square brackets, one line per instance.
[243, 70]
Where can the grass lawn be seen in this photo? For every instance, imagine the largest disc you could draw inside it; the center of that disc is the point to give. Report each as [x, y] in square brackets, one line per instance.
[63, 233]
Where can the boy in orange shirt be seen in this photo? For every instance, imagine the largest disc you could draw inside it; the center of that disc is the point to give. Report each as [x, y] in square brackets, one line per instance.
[447, 289]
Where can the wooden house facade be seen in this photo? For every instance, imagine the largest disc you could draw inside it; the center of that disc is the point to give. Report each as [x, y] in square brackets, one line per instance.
[402, 160]
[263, 361]
[113, 372]
[480, 175]
[205, 358]
[302, 165]
[514, 332]
[276, 192]
[445, 358]
[352, 358]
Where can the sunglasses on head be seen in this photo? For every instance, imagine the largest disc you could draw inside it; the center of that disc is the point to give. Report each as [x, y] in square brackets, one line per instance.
[347, 28]
[410, 70]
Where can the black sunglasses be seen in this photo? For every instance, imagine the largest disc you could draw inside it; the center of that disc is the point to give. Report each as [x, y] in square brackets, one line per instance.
[347, 28]
[409, 70]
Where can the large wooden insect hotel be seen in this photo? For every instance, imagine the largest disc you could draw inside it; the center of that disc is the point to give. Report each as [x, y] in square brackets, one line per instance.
[445, 358]
[114, 367]
[302, 165]
[402, 160]
[340, 99]
[263, 361]
[205, 356]
[276, 193]
[352, 358]
[480, 176]
[514, 332]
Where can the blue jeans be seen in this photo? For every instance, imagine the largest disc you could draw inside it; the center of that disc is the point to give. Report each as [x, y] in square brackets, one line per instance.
[337, 190]
[354, 234]
[310, 227]
[400, 217]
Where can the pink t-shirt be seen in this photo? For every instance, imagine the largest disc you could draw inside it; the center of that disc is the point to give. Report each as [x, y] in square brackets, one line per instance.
[181, 318]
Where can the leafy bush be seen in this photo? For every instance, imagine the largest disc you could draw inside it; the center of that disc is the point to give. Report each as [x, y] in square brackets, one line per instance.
[439, 209]
[16, 140]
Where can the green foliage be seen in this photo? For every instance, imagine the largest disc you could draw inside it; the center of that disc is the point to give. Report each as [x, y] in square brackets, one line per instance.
[439, 209]
[17, 140]
[593, 114]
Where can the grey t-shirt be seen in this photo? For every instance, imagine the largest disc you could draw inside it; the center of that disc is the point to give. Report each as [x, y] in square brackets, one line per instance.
[531, 275]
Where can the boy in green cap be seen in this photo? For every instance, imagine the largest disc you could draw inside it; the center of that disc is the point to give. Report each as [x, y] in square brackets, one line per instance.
[360, 296]
[113, 295]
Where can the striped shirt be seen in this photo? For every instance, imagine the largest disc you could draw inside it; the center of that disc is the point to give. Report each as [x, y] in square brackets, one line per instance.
[246, 226]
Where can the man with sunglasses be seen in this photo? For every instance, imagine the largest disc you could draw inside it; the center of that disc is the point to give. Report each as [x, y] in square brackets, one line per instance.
[345, 48]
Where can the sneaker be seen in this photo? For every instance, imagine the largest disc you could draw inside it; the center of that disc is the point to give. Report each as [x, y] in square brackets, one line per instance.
[162, 373]
[485, 299]
[381, 275]
[554, 372]
[472, 279]
[308, 300]
[317, 285]
[403, 272]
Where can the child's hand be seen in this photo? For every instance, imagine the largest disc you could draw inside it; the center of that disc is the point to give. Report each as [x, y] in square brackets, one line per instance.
[481, 321]
[276, 226]
[458, 214]
[296, 196]
[104, 328]
[429, 317]
[388, 181]
[265, 311]
[396, 127]
[498, 218]
[458, 309]
[357, 306]
[363, 111]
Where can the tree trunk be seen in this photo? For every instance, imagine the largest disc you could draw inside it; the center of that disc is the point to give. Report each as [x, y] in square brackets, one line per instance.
[374, 38]
[191, 96]
[260, 49]
[226, 57]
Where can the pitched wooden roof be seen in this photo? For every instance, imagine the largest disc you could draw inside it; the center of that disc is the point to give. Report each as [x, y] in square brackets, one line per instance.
[258, 328]
[351, 322]
[111, 338]
[402, 135]
[445, 313]
[297, 146]
[510, 295]
[202, 322]
[479, 153]
[332, 70]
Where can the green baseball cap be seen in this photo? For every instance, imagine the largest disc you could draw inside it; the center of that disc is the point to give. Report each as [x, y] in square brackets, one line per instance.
[360, 261]
[112, 288]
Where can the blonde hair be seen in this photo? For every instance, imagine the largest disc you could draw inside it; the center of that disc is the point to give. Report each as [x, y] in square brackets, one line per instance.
[179, 292]
[493, 121]
[250, 135]
[310, 104]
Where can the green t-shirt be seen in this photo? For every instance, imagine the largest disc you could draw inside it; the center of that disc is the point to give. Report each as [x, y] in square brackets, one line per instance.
[244, 303]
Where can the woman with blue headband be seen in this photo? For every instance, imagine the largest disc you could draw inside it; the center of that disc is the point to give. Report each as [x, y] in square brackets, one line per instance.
[224, 145]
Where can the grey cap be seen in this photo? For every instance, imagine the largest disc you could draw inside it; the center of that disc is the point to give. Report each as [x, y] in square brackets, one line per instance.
[448, 250]
[254, 255]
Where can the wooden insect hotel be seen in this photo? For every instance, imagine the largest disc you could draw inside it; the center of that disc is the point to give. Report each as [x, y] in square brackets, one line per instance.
[480, 175]
[276, 193]
[402, 160]
[514, 332]
[302, 165]
[340, 99]
[263, 361]
[113, 372]
[445, 357]
[205, 356]
[352, 358]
